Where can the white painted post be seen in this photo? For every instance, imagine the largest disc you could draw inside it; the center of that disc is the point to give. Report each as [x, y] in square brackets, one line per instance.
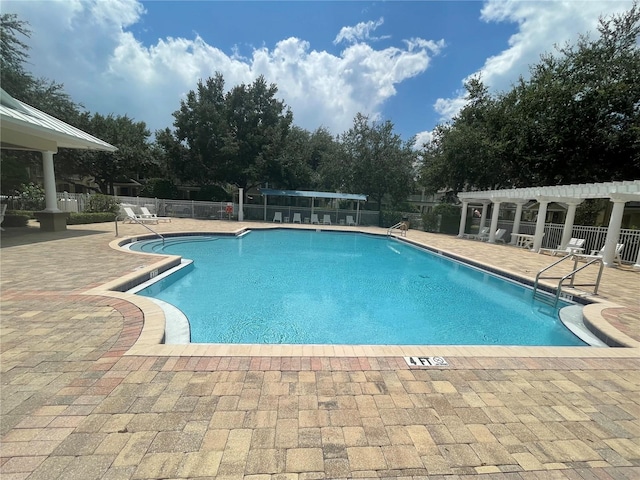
[483, 218]
[613, 232]
[265, 207]
[568, 221]
[516, 220]
[241, 205]
[494, 221]
[542, 214]
[463, 218]
[51, 203]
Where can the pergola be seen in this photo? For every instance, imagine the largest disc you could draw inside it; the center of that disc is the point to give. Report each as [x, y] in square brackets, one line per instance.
[267, 192]
[571, 195]
[23, 127]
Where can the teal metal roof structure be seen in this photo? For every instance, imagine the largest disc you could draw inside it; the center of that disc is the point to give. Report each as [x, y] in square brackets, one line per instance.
[304, 193]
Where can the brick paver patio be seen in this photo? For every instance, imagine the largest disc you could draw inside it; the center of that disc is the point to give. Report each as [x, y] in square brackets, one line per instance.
[76, 404]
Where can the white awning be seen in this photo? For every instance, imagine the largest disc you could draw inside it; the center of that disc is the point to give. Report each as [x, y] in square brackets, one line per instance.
[24, 127]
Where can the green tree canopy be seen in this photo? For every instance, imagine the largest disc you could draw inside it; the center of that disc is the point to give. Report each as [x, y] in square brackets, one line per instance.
[576, 119]
[132, 157]
[377, 161]
[235, 138]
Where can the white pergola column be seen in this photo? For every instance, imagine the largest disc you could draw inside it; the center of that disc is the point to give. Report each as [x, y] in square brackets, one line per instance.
[636, 266]
[516, 220]
[463, 218]
[542, 215]
[613, 232]
[241, 204]
[568, 221]
[483, 218]
[51, 202]
[495, 211]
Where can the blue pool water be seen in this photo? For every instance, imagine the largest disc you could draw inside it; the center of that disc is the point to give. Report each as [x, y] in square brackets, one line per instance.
[313, 287]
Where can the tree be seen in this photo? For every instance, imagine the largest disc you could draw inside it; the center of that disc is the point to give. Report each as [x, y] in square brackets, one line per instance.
[378, 162]
[236, 138]
[132, 157]
[576, 119]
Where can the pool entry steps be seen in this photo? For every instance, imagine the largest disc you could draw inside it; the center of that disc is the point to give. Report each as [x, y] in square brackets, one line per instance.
[569, 276]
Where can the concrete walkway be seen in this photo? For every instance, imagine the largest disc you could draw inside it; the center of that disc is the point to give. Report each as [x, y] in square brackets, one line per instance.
[77, 404]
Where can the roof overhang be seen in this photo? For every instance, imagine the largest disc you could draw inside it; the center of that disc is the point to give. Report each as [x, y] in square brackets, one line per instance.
[24, 127]
[309, 194]
[626, 190]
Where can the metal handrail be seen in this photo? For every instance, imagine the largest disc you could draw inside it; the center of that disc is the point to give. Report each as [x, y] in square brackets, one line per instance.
[397, 227]
[139, 223]
[571, 275]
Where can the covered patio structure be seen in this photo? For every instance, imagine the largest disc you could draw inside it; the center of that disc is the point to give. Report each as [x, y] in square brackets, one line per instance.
[270, 192]
[23, 127]
[571, 195]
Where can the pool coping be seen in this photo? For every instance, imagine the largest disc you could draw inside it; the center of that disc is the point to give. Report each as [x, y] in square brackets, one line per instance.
[150, 340]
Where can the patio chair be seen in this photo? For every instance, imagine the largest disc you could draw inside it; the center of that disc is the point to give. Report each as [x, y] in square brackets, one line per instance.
[147, 214]
[314, 219]
[575, 245]
[296, 218]
[326, 219]
[498, 237]
[350, 221]
[484, 232]
[3, 209]
[277, 217]
[133, 217]
[616, 256]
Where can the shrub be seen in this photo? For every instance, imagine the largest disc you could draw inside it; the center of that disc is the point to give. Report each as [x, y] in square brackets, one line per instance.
[11, 220]
[31, 197]
[28, 213]
[99, 203]
[96, 217]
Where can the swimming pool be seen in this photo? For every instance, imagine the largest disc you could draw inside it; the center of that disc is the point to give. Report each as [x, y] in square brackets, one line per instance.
[321, 287]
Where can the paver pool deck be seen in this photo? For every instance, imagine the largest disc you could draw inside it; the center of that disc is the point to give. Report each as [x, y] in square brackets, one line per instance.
[87, 393]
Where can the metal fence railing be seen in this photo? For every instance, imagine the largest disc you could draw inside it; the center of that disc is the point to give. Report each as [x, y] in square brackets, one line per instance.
[76, 202]
[594, 237]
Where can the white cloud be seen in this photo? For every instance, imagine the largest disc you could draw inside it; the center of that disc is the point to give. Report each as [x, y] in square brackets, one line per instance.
[422, 138]
[540, 26]
[85, 46]
[362, 31]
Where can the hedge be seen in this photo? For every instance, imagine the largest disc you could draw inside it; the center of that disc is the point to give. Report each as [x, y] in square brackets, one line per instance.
[12, 220]
[82, 218]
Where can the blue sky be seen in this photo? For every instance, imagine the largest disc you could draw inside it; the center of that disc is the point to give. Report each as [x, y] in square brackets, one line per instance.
[399, 61]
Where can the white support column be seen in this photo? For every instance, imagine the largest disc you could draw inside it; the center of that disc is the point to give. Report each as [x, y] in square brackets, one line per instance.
[495, 211]
[463, 218]
[568, 221]
[483, 218]
[636, 266]
[265, 207]
[542, 215]
[51, 204]
[613, 232]
[517, 219]
[241, 205]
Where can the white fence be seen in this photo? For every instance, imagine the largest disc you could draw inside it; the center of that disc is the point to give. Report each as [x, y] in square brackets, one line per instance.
[594, 237]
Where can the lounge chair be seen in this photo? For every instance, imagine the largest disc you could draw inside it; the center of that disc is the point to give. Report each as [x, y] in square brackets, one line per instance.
[326, 219]
[314, 219]
[484, 232]
[134, 217]
[616, 256]
[296, 218]
[3, 209]
[498, 238]
[277, 217]
[575, 245]
[350, 221]
[147, 214]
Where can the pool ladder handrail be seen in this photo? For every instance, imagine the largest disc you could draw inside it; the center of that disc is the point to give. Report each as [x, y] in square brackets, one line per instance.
[571, 275]
[403, 231]
[122, 217]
